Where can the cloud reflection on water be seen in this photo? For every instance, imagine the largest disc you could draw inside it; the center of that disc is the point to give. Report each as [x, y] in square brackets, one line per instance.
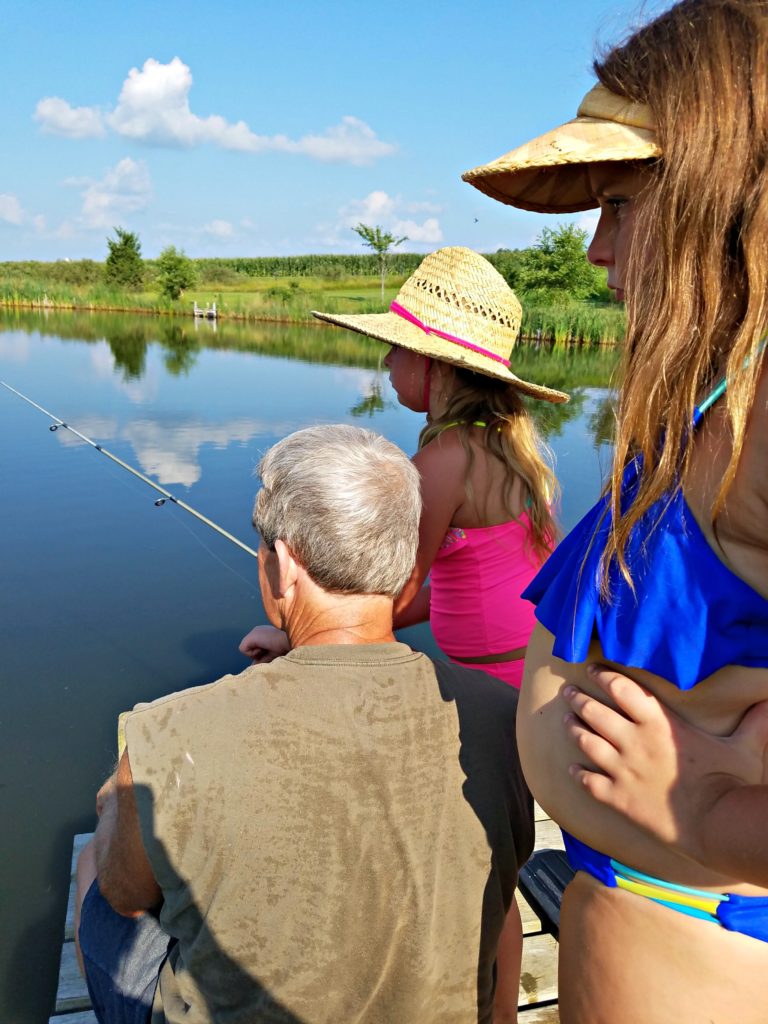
[169, 451]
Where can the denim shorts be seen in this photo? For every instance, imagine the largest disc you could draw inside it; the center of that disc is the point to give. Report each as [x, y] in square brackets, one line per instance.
[122, 958]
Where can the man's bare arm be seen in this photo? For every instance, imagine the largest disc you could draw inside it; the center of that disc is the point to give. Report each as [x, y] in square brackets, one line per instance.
[125, 876]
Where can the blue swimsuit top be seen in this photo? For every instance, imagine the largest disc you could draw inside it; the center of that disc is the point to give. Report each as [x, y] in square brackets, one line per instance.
[689, 615]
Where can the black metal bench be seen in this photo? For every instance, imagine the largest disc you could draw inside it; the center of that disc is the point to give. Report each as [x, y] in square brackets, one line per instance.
[542, 882]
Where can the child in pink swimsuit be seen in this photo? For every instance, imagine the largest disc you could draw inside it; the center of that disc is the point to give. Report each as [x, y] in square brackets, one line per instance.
[486, 526]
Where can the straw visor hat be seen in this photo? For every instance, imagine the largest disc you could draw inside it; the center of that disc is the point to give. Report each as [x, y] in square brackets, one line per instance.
[549, 174]
[455, 307]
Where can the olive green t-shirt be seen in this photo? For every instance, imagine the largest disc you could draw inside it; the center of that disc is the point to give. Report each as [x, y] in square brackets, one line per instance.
[337, 837]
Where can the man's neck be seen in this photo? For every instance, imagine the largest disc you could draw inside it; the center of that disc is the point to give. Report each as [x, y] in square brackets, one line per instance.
[341, 619]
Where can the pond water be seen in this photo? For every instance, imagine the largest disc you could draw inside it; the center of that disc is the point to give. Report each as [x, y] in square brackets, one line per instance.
[108, 600]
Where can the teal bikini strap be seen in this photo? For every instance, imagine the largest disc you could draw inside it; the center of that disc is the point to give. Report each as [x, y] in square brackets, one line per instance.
[720, 388]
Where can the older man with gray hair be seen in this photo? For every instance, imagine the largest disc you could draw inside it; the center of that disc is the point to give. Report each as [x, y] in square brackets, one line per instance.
[330, 837]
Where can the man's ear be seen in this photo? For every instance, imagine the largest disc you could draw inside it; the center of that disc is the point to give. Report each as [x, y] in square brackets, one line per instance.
[288, 568]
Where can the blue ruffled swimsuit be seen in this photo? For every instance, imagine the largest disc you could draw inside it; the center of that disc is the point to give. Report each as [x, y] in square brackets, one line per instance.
[688, 617]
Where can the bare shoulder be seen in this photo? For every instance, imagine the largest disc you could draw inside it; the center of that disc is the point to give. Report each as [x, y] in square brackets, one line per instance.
[756, 448]
[747, 505]
[740, 536]
[445, 450]
[442, 465]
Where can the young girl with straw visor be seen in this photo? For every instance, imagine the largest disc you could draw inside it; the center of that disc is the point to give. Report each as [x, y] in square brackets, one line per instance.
[666, 579]
[487, 490]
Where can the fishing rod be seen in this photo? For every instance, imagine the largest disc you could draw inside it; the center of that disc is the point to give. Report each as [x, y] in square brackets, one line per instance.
[166, 495]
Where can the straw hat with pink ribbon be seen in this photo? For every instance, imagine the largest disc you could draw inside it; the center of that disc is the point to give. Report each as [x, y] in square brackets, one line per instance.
[458, 308]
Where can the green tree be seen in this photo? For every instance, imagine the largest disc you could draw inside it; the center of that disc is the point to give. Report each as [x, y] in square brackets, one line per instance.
[129, 350]
[180, 348]
[371, 403]
[124, 265]
[176, 272]
[381, 242]
[507, 262]
[557, 265]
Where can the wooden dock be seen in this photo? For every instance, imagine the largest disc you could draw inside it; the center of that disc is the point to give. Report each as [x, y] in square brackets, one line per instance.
[538, 979]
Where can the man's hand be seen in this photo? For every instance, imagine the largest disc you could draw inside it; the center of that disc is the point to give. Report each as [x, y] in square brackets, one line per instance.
[106, 794]
[263, 644]
[680, 784]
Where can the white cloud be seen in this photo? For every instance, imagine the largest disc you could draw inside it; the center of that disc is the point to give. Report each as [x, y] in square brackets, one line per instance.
[219, 229]
[125, 188]
[12, 212]
[10, 209]
[65, 230]
[430, 231]
[153, 108]
[388, 212]
[352, 141]
[57, 117]
[376, 206]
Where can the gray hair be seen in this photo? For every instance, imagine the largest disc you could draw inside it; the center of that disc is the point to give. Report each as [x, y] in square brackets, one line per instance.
[347, 502]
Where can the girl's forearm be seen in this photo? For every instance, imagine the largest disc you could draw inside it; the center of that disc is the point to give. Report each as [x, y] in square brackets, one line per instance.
[416, 611]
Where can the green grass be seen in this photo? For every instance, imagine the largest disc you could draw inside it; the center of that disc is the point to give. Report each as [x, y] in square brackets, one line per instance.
[288, 300]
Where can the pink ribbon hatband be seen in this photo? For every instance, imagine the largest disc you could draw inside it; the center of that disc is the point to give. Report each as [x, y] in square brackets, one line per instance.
[406, 315]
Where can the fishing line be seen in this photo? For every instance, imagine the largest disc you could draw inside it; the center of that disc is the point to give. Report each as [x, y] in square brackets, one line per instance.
[166, 495]
[181, 523]
[196, 537]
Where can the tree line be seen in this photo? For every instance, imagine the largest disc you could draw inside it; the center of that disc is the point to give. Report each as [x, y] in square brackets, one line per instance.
[124, 267]
[553, 269]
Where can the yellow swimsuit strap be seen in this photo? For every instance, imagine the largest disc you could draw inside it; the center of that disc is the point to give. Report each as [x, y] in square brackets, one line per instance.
[463, 423]
[682, 896]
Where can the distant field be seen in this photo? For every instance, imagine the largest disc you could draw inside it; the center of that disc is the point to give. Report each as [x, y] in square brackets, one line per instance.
[242, 295]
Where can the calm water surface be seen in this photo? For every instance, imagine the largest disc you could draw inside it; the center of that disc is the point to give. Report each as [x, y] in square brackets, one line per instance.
[108, 600]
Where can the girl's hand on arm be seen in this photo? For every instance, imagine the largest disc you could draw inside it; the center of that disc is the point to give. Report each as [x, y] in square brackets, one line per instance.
[264, 644]
[706, 796]
[442, 467]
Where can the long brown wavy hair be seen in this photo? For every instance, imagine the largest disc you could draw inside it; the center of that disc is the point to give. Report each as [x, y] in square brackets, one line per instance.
[697, 276]
[511, 437]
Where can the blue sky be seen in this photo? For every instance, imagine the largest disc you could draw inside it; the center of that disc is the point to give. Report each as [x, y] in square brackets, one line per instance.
[253, 128]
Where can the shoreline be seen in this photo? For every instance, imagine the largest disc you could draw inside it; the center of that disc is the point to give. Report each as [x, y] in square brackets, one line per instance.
[69, 307]
[540, 336]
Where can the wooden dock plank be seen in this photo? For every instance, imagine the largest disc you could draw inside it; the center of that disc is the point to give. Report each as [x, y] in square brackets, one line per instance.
[538, 975]
[539, 1014]
[548, 836]
[89, 1017]
[72, 993]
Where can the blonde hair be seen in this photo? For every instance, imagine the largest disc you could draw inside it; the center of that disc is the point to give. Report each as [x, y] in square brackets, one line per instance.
[511, 437]
[697, 275]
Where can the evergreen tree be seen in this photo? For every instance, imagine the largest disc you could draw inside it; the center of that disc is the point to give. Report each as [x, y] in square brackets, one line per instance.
[124, 266]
